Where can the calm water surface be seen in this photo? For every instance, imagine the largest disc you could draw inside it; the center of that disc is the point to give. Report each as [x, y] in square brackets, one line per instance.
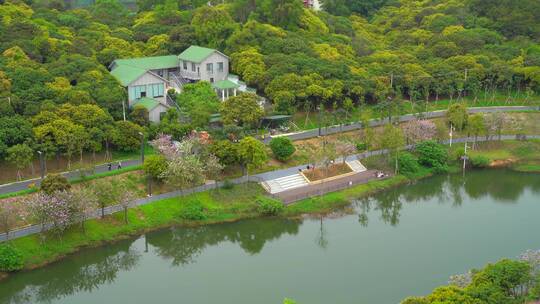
[402, 242]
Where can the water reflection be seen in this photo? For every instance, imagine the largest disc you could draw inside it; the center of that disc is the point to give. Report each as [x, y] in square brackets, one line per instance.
[182, 245]
[82, 273]
[93, 268]
[454, 189]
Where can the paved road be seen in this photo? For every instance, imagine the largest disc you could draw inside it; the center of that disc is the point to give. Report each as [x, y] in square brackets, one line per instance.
[254, 178]
[403, 118]
[70, 175]
[23, 185]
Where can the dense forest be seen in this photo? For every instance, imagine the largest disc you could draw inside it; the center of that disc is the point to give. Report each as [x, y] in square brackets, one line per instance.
[56, 93]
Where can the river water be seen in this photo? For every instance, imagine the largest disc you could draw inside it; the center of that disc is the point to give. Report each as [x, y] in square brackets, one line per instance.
[402, 242]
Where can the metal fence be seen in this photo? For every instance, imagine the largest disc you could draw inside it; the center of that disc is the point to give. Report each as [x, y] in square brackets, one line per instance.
[33, 229]
[322, 189]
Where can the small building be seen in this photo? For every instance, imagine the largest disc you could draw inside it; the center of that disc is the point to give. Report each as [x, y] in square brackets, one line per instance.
[155, 108]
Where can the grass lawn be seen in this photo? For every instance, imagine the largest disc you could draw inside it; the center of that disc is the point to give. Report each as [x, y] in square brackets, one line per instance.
[233, 204]
[9, 171]
[371, 112]
[219, 206]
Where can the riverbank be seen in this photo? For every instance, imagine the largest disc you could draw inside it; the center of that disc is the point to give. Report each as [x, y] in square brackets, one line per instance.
[219, 206]
[222, 205]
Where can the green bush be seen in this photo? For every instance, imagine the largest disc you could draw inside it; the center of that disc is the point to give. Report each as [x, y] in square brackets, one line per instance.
[408, 164]
[480, 161]
[282, 148]
[432, 155]
[193, 210]
[361, 146]
[10, 258]
[268, 206]
[54, 182]
[155, 165]
[459, 153]
[227, 185]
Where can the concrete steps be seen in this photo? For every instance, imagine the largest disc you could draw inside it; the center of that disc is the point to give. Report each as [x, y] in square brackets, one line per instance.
[284, 183]
[356, 166]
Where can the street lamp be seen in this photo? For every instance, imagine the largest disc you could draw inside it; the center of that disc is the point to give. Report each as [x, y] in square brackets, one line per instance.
[41, 165]
[142, 147]
[320, 113]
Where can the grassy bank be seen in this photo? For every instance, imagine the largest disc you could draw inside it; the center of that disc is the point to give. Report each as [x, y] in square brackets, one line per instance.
[82, 179]
[239, 202]
[223, 205]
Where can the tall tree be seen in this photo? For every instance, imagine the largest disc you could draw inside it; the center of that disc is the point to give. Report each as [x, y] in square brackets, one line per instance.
[20, 156]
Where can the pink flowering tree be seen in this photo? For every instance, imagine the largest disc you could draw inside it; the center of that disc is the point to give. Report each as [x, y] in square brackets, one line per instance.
[54, 209]
[164, 144]
[82, 203]
[10, 214]
[419, 130]
[188, 161]
[126, 199]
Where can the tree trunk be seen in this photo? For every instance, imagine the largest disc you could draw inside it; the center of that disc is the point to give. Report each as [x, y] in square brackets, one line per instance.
[102, 211]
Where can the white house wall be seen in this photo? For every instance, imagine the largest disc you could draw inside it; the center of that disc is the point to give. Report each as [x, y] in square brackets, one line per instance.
[154, 115]
[215, 58]
[147, 79]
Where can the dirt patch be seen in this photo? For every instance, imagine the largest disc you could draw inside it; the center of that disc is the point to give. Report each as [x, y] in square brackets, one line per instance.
[502, 163]
[322, 172]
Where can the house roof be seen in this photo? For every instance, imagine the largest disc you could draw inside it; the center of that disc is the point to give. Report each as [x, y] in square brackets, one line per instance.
[225, 84]
[150, 63]
[147, 102]
[126, 74]
[128, 70]
[196, 53]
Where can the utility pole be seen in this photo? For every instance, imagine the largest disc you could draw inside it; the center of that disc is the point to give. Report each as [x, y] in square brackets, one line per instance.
[465, 157]
[41, 166]
[124, 110]
[142, 147]
[451, 134]
[320, 113]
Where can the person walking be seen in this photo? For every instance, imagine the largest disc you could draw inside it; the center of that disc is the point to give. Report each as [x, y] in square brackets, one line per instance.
[119, 165]
[109, 166]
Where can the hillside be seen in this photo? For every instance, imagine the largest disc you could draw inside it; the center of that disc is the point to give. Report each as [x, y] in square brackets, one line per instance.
[354, 52]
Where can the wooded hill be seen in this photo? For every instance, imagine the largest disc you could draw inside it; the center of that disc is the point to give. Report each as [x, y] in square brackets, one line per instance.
[352, 52]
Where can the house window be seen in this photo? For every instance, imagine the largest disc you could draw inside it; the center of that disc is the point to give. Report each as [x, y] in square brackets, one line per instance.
[212, 80]
[193, 66]
[185, 65]
[160, 73]
[210, 68]
[220, 67]
[156, 90]
[138, 91]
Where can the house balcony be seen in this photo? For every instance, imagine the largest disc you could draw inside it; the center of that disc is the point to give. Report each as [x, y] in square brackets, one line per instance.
[190, 75]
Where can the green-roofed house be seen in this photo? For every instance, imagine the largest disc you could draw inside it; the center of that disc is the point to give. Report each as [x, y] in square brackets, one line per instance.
[152, 77]
[147, 78]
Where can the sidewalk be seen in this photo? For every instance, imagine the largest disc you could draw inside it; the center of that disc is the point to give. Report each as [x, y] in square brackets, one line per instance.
[254, 178]
[71, 175]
